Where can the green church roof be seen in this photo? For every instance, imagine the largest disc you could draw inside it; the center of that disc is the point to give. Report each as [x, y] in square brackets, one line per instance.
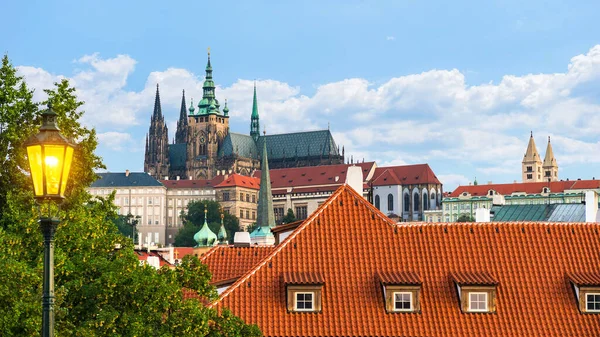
[238, 144]
[205, 237]
[301, 144]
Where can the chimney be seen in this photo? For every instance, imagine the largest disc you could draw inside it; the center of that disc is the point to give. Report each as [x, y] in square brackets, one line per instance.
[354, 178]
[489, 182]
[241, 239]
[127, 173]
[591, 206]
[177, 177]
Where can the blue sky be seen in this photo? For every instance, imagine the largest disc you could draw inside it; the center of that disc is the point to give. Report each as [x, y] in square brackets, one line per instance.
[456, 84]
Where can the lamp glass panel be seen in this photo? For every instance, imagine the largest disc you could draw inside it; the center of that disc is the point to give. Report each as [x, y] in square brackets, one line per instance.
[34, 154]
[66, 169]
[53, 164]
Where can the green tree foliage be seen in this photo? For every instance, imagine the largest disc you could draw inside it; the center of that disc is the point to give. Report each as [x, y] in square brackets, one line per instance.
[101, 290]
[193, 219]
[289, 217]
[127, 225]
[465, 217]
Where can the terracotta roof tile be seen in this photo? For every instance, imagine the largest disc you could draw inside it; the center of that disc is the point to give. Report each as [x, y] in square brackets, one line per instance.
[228, 262]
[240, 180]
[404, 175]
[313, 175]
[530, 262]
[529, 188]
[585, 279]
[303, 278]
[399, 278]
[473, 278]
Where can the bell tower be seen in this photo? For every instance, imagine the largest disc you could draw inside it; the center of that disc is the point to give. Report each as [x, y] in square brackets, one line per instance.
[550, 166]
[532, 163]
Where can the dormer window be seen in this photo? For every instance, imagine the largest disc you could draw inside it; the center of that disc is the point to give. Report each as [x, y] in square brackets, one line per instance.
[401, 291]
[303, 291]
[587, 291]
[476, 291]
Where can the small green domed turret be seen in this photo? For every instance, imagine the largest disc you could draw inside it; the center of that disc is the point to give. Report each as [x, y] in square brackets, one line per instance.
[205, 237]
[191, 109]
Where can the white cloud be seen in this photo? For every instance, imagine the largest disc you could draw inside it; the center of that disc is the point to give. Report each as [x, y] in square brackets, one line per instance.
[390, 38]
[451, 181]
[115, 140]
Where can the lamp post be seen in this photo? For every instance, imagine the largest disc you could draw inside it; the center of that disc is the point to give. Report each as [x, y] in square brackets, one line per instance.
[50, 156]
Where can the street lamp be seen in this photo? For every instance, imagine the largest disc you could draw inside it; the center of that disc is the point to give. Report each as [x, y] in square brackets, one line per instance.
[50, 156]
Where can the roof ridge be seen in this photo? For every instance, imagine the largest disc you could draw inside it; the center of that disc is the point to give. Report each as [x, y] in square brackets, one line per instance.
[297, 231]
[209, 253]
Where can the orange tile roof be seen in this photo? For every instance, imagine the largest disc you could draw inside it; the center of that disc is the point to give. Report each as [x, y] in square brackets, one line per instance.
[403, 277]
[473, 278]
[529, 188]
[530, 262]
[241, 181]
[303, 278]
[404, 175]
[228, 262]
[585, 279]
[143, 256]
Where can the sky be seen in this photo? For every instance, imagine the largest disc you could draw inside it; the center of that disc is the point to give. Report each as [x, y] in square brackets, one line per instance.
[456, 84]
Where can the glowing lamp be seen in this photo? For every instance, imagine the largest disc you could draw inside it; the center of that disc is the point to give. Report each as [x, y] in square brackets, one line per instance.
[50, 156]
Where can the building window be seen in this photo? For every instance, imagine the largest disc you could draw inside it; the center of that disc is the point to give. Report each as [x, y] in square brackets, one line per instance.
[149, 200]
[241, 196]
[529, 176]
[247, 214]
[241, 214]
[425, 202]
[278, 212]
[301, 212]
[593, 302]
[416, 202]
[390, 202]
[253, 215]
[304, 302]
[247, 197]
[377, 202]
[403, 301]
[225, 196]
[478, 302]
[406, 202]
[254, 198]
[529, 169]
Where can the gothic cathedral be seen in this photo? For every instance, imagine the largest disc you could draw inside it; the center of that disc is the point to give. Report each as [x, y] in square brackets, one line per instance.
[533, 169]
[204, 147]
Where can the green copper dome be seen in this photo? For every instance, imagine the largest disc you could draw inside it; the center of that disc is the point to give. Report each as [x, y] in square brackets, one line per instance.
[191, 109]
[205, 237]
[222, 235]
[225, 109]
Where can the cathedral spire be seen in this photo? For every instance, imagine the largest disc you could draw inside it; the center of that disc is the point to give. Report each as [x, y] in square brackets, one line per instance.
[182, 123]
[182, 111]
[532, 163]
[254, 121]
[157, 110]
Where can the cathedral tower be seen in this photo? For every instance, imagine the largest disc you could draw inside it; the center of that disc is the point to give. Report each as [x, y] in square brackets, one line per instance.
[550, 166]
[156, 160]
[207, 127]
[532, 163]
[254, 125]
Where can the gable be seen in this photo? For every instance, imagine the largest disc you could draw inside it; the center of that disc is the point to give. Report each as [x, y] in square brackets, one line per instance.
[349, 242]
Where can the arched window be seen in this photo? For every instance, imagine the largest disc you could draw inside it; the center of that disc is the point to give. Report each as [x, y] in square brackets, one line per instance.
[377, 201]
[406, 202]
[390, 202]
[433, 200]
[416, 200]
[425, 201]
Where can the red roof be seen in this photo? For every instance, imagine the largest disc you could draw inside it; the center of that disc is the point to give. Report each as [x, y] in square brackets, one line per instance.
[530, 262]
[228, 262]
[143, 256]
[303, 278]
[529, 188]
[404, 175]
[399, 278]
[313, 175]
[585, 279]
[473, 278]
[240, 181]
